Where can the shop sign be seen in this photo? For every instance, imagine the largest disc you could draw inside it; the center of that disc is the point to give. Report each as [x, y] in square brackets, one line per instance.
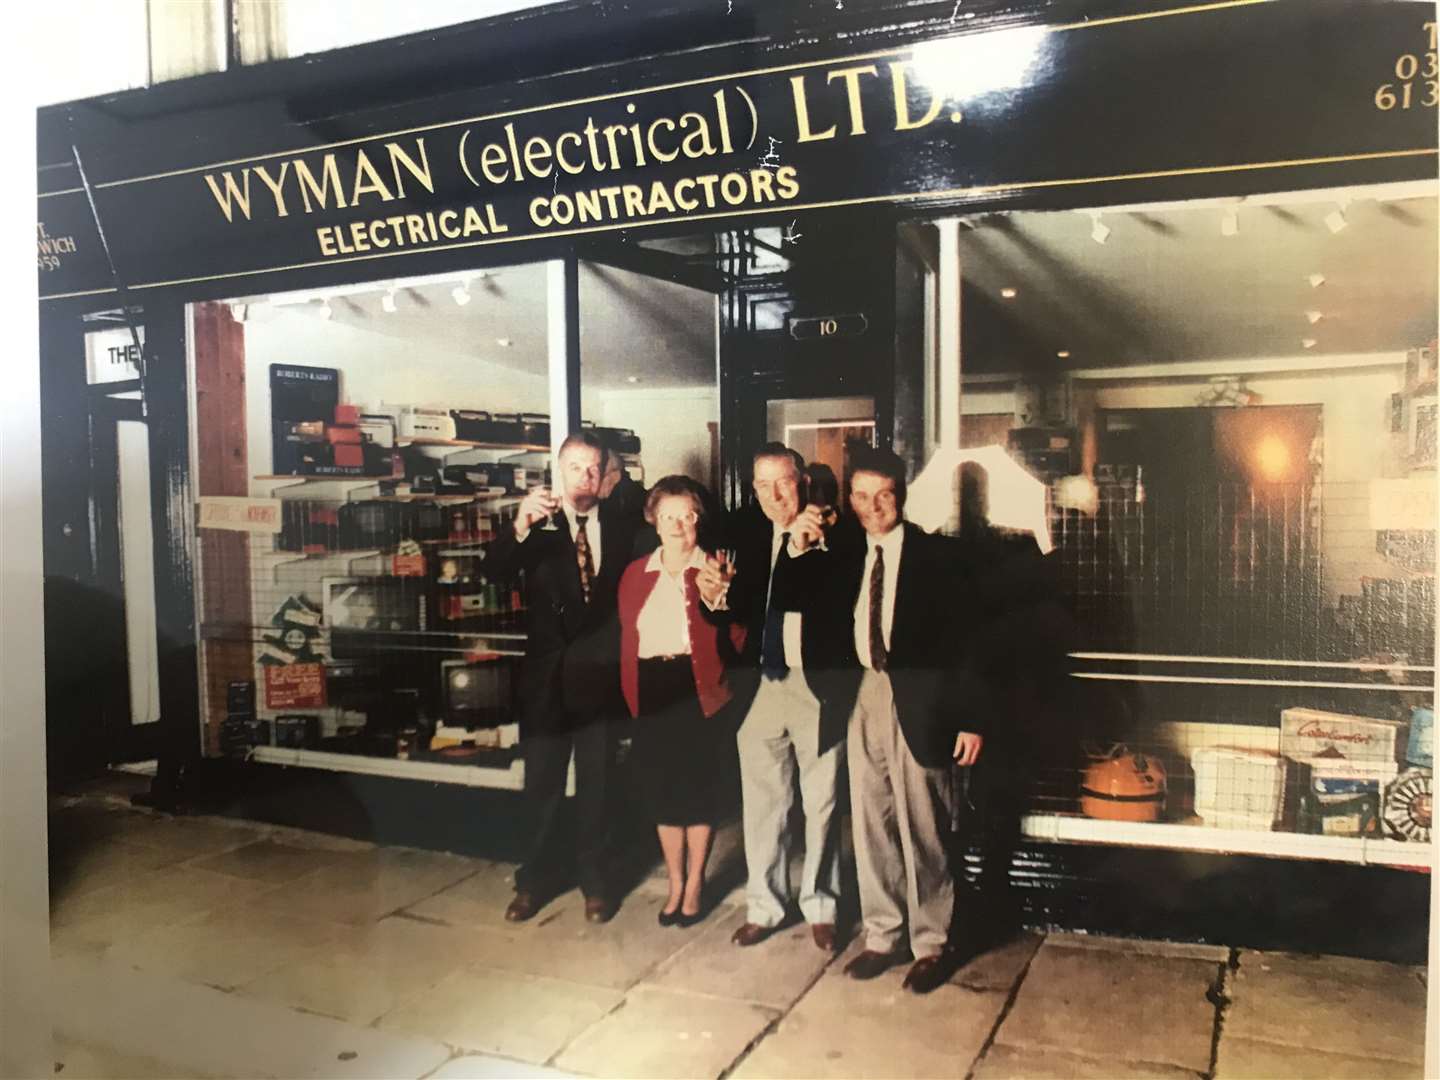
[238, 513]
[294, 686]
[1233, 94]
[112, 356]
[828, 327]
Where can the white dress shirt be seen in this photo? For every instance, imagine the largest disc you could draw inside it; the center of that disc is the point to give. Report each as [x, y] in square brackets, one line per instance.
[592, 531]
[663, 622]
[891, 544]
[790, 633]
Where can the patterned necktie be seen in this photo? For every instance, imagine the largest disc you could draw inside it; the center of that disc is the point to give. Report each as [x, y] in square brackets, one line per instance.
[582, 556]
[772, 640]
[879, 658]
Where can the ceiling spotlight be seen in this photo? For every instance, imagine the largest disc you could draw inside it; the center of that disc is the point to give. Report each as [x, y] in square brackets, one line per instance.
[238, 311]
[504, 342]
[325, 309]
[1230, 223]
[1335, 220]
[1312, 317]
[460, 294]
[1063, 354]
[1309, 342]
[632, 378]
[387, 302]
[1099, 231]
[1008, 294]
[1316, 280]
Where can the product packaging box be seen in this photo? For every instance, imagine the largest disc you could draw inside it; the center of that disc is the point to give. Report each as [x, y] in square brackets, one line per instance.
[1306, 733]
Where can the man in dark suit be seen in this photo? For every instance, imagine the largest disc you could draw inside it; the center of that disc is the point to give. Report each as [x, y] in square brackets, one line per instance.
[569, 682]
[902, 598]
[794, 720]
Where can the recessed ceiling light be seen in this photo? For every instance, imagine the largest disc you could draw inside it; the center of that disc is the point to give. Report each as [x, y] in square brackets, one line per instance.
[504, 342]
[1063, 354]
[1316, 280]
[1008, 294]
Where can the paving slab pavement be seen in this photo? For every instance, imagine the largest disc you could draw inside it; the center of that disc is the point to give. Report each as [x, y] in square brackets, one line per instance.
[1009, 1063]
[667, 1033]
[1092, 1002]
[844, 1027]
[1328, 1004]
[1249, 1059]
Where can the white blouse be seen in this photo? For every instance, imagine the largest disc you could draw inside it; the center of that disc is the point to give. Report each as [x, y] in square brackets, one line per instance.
[663, 624]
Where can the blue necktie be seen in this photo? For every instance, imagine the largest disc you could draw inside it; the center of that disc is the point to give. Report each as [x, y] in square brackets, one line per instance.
[772, 641]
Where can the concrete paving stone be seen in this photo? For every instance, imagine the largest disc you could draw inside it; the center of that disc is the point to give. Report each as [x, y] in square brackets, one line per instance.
[360, 887]
[1183, 950]
[1330, 1004]
[307, 838]
[136, 1015]
[1008, 1063]
[1000, 967]
[501, 1012]
[224, 948]
[366, 971]
[663, 1033]
[481, 899]
[847, 1028]
[774, 973]
[194, 836]
[74, 1061]
[1076, 1000]
[105, 862]
[485, 1067]
[617, 954]
[1249, 1059]
[86, 821]
[267, 860]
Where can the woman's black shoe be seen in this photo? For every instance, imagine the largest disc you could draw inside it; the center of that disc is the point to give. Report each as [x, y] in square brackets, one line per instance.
[670, 918]
[686, 921]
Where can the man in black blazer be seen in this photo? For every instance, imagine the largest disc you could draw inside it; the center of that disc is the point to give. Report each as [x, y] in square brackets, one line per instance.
[795, 719]
[569, 681]
[902, 609]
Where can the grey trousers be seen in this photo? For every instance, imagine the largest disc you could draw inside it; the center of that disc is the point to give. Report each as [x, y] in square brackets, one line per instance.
[780, 736]
[903, 815]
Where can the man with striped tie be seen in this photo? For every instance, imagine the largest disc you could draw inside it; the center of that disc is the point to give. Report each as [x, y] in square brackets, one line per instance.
[904, 598]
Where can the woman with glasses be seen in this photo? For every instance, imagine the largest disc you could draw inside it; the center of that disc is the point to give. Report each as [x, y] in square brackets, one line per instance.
[675, 644]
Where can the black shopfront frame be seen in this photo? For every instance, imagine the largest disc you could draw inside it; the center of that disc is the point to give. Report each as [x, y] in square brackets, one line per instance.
[1135, 103]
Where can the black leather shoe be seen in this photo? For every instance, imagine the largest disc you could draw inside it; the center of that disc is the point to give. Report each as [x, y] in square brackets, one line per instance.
[599, 909]
[669, 918]
[929, 973]
[524, 907]
[870, 964]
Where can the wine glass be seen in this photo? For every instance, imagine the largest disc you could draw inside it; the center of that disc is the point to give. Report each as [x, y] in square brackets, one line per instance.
[550, 525]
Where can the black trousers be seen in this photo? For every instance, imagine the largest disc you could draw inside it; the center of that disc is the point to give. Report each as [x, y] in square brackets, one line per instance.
[554, 863]
[986, 838]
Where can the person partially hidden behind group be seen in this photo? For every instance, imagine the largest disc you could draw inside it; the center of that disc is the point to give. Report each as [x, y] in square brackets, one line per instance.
[674, 649]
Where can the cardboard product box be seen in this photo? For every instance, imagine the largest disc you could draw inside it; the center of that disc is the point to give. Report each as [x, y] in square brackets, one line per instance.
[1306, 733]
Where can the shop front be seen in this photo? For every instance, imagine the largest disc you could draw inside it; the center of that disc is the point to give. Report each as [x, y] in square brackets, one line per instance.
[310, 331]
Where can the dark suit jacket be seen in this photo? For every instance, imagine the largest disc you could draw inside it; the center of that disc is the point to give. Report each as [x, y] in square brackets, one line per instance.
[571, 670]
[798, 582]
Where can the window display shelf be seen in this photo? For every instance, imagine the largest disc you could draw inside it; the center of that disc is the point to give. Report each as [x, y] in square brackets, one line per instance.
[1364, 851]
[510, 778]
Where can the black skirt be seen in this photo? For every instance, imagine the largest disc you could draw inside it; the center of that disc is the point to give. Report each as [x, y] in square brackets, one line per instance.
[677, 752]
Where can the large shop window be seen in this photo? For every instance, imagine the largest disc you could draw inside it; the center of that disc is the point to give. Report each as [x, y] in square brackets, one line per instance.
[358, 448]
[1231, 405]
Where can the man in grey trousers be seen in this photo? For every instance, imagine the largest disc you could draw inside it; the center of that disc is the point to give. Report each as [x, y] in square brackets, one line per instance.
[794, 724]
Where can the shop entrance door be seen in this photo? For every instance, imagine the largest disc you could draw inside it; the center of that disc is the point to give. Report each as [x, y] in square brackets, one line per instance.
[123, 552]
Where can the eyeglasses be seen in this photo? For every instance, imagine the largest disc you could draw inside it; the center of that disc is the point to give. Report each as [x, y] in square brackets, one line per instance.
[687, 517]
